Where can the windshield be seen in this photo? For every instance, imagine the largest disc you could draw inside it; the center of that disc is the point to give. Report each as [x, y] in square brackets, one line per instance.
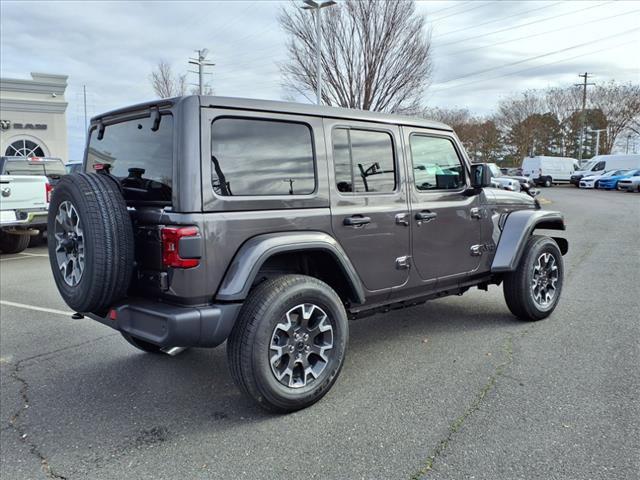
[495, 171]
[588, 166]
[141, 158]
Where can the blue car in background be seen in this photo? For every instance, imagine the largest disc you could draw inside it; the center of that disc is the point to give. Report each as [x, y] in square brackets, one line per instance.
[611, 183]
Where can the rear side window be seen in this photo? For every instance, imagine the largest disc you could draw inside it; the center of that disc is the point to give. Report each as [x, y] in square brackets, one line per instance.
[140, 157]
[436, 165]
[261, 157]
[363, 161]
[33, 166]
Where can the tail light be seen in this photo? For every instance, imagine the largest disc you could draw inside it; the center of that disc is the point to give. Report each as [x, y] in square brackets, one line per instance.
[171, 237]
[48, 189]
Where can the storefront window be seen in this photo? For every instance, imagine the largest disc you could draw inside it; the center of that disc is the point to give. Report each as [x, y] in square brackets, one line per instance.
[24, 148]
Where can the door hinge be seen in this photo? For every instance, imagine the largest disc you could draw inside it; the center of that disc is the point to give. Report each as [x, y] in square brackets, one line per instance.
[476, 250]
[403, 263]
[476, 213]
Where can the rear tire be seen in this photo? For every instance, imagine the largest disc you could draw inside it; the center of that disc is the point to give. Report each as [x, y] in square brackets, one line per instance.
[90, 240]
[13, 243]
[288, 345]
[533, 290]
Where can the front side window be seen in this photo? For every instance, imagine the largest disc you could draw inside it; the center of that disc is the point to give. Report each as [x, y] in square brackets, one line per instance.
[261, 157]
[363, 161]
[436, 165]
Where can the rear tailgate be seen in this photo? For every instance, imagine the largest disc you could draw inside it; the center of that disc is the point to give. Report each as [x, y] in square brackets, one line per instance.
[22, 192]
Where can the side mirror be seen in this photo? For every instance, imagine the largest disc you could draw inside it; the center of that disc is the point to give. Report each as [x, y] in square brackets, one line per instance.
[480, 176]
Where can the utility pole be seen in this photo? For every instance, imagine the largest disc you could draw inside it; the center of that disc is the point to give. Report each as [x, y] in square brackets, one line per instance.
[201, 62]
[584, 106]
[628, 138]
[317, 7]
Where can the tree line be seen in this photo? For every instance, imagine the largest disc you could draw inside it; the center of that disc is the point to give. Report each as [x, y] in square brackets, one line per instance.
[377, 55]
[549, 122]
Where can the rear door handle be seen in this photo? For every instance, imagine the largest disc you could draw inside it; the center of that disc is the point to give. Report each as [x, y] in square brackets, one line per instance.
[425, 216]
[356, 221]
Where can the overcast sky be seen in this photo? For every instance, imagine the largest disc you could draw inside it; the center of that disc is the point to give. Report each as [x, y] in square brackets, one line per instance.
[482, 50]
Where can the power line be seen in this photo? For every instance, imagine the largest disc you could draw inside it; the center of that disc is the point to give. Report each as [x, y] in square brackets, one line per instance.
[463, 11]
[478, 72]
[458, 4]
[573, 12]
[526, 37]
[528, 69]
[497, 20]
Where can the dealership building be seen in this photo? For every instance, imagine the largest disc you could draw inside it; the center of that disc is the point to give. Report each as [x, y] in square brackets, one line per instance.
[33, 116]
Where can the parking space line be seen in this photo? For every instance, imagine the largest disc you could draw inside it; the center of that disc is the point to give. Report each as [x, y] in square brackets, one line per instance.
[13, 258]
[34, 254]
[38, 309]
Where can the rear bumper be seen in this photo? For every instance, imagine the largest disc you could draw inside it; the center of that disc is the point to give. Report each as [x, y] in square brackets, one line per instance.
[24, 218]
[171, 325]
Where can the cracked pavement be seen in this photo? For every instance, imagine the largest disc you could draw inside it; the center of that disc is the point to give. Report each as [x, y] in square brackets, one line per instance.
[485, 397]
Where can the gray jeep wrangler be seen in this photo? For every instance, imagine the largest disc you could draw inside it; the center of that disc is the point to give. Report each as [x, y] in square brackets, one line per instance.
[269, 225]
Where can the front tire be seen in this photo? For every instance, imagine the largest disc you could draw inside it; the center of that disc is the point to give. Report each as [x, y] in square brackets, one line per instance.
[548, 182]
[533, 290]
[288, 345]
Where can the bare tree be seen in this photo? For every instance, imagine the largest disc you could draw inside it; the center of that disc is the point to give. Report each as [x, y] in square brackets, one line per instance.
[376, 55]
[620, 104]
[165, 83]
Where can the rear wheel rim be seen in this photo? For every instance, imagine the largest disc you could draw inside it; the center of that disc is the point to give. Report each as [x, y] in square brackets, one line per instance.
[301, 346]
[69, 243]
[544, 282]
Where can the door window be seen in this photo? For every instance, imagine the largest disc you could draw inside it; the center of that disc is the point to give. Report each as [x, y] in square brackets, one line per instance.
[363, 161]
[436, 165]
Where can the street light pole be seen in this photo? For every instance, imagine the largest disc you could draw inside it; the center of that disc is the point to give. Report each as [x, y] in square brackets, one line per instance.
[316, 7]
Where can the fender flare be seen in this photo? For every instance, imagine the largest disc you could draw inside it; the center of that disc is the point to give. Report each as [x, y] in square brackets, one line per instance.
[254, 252]
[517, 229]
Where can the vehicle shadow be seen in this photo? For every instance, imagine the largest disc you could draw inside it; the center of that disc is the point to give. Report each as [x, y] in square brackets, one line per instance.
[151, 398]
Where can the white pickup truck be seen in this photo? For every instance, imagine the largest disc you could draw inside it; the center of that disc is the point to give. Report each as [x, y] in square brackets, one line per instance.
[24, 201]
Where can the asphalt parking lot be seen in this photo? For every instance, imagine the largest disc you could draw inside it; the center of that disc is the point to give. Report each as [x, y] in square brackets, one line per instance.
[452, 389]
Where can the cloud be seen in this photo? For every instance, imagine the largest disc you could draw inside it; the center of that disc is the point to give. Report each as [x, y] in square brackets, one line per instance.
[111, 47]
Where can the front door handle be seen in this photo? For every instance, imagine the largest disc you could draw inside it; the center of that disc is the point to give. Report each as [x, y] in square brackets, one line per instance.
[425, 216]
[356, 221]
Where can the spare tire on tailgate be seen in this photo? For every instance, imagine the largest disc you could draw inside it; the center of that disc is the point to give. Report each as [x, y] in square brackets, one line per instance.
[90, 239]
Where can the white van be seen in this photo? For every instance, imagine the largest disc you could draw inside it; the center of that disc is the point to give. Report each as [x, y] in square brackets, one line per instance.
[546, 171]
[604, 163]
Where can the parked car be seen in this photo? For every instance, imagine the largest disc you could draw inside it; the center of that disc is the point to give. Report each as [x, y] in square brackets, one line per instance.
[51, 167]
[630, 184]
[24, 200]
[611, 182]
[544, 170]
[508, 182]
[604, 163]
[591, 181]
[266, 224]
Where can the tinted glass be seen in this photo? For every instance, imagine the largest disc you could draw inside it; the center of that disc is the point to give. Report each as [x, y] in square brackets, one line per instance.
[141, 158]
[261, 157]
[363, 161]
[436, 165]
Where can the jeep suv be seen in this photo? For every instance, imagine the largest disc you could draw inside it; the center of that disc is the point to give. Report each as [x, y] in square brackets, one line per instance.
[199, 220]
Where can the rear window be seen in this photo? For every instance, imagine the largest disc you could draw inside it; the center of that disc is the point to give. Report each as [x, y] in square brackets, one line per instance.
[141, 158]
[261, 157]
[50, 167]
